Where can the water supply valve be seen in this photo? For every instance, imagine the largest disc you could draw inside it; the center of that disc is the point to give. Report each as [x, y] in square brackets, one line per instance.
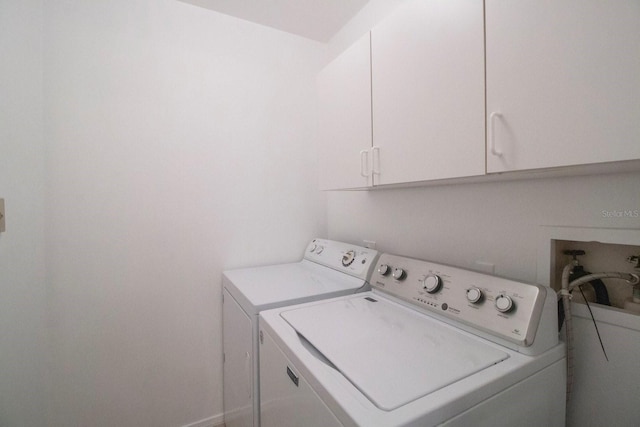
[574, 253]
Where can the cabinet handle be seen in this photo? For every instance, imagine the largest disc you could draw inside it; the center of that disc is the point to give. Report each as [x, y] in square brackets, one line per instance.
[364, 163]
[375, 167]
[492, 136]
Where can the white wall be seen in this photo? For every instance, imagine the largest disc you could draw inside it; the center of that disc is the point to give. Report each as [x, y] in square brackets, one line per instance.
[23, 336]
[365, 19]
[497, 222]
[179, 143]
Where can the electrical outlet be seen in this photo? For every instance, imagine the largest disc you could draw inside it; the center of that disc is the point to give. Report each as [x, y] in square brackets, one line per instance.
[2, 228]
[369, 244]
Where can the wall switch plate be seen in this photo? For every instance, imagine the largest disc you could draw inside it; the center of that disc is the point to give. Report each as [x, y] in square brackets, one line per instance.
[2, 228]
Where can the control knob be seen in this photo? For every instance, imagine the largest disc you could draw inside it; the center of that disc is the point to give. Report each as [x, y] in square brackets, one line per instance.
[432, 283]
[398, 274]
[474, 295]
[348, 258]
[504, 303]
[384, 269]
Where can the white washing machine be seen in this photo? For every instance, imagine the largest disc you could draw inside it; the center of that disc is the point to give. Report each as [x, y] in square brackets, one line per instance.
[428, 345]
[328, 269]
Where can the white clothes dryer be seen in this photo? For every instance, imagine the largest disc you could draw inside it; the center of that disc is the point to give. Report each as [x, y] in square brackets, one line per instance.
[429, 345]
[328, 269]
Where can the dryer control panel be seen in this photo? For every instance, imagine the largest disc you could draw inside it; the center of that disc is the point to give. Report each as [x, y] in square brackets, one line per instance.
[504, 308]
[354, 260]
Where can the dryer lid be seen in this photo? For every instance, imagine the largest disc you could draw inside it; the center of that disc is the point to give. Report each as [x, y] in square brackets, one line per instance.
[262, 288]
[391, 353]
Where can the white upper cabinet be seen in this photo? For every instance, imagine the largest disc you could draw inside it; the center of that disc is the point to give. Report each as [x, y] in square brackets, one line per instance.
[560, 81]
[428, 92]
[344, 91]
[563, 82]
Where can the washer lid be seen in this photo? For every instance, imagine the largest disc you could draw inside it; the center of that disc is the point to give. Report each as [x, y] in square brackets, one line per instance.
[391, 353]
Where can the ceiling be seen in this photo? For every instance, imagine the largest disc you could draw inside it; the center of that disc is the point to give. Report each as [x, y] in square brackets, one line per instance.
[314, 19]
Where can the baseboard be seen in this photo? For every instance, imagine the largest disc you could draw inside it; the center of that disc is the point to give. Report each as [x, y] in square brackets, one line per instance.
[215, 421]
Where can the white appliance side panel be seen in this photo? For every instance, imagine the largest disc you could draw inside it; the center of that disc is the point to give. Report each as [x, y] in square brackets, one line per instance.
[356, 334]
[238, 383]
[539, 400]
[287, 400]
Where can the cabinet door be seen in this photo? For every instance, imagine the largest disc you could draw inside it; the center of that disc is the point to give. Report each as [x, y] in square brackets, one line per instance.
[428, 91]
[563, 82]
[344, 95]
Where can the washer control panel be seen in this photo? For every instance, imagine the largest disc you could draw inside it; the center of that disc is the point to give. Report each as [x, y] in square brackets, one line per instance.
[351, 259]
[504, 308]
